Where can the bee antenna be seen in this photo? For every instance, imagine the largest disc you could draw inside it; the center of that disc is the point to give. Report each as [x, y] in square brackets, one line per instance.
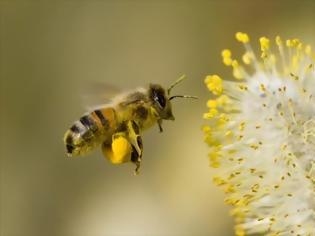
[183, 96]
[180, 79]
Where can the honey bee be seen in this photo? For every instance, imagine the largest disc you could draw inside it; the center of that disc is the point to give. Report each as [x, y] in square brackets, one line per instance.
[117, 126]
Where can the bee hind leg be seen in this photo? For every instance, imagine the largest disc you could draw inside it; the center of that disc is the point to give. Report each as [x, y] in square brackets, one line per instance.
[136, 157]
[136, 143]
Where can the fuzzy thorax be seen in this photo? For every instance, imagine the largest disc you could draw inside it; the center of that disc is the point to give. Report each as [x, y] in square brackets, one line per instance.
[261, 136]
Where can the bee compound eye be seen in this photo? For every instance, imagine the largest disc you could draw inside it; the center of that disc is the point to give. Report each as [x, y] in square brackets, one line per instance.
[160, 99]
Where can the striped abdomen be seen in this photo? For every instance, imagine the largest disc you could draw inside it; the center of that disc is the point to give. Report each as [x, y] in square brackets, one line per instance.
[90, 131]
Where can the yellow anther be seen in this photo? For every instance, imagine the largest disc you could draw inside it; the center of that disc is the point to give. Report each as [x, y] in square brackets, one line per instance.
[206, 129]
[226, 56]
[292, 43]
[229, 133]
[226, 53]
[308, 50]
[215, 164]
[239, 231]
[212, 103]
[229, 189]
[214, 157]
[223, 100]
[218, 181]
[262, 87]
[243, 87]
[247, 58]
[279, 41]
[212, 113]
[264, 46]
[222, 120]
[264, 43]
[242, 37]
[235, 63]
[273, 59]
[207, 79]
[295, 42]
[241, 126]
[237, 73]
[300, 46]
[214, 84]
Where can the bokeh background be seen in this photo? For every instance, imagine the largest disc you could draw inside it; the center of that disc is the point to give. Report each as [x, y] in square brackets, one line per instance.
[50, 50]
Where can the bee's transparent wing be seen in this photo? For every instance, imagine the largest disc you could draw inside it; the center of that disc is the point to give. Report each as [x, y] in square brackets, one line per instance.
[98, 94]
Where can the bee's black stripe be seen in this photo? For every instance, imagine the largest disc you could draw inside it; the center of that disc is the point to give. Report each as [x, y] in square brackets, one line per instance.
[69, 139]
[88, 123]
[75, 129]
[101, 117]
[70, 148]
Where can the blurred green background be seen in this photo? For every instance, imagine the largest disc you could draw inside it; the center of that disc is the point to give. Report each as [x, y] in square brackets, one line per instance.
[50, 51]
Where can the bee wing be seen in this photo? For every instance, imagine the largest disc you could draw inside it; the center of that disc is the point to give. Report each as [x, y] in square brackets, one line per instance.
[98, 94]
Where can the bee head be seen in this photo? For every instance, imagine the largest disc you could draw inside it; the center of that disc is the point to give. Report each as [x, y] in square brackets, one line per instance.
[161, 102]
[162, 99]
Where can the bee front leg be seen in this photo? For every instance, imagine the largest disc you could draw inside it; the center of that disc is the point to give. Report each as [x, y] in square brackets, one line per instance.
[160, 125]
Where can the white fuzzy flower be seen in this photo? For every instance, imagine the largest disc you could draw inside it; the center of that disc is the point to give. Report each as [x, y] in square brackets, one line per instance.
[261, 135]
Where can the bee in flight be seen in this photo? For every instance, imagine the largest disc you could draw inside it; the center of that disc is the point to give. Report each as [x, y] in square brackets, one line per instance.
[117, 126]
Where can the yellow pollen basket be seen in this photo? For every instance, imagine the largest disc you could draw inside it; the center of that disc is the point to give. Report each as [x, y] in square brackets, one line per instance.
[119, 152]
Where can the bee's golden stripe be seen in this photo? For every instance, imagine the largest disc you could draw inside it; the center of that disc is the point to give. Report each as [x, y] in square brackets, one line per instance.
[102, 118]
[106, 116]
